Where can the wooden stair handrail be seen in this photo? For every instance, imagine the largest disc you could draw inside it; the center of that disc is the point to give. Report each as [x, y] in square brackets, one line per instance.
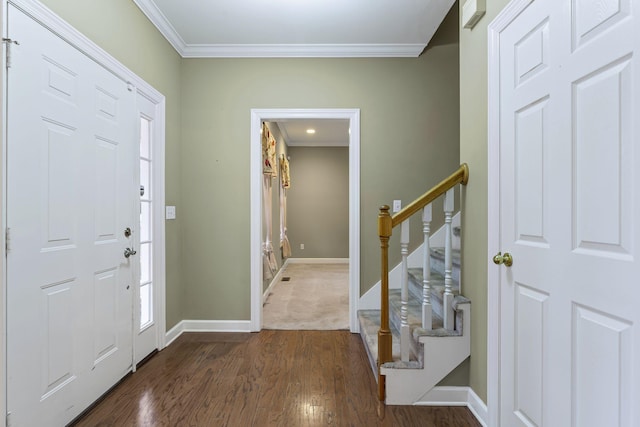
[460, 176]
[386, 222]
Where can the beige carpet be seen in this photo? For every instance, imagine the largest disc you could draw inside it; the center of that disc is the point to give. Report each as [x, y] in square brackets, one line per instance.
[315, 298]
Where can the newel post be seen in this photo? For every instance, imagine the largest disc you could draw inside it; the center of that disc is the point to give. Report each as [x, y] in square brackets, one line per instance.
[384, 334]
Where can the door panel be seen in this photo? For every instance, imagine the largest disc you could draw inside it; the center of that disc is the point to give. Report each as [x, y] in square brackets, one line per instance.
[601, 384]
[70, 194]
[529, 355]
[56, 342]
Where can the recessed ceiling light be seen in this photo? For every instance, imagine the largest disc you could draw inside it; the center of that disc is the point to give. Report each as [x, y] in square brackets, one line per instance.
[311, 131]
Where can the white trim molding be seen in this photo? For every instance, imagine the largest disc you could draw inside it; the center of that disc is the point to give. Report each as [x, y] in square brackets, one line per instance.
[257, 117]
[282, 50]
[297, 50]
[155, 15]
[301, 50]
[318, 260]
[206, 326]
[494, 30]
[457, 396]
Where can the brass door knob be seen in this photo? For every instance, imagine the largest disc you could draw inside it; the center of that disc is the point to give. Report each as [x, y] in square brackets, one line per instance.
[505, 259]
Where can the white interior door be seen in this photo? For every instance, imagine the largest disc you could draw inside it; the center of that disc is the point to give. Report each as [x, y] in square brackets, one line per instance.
[570, 215]
[70, 196]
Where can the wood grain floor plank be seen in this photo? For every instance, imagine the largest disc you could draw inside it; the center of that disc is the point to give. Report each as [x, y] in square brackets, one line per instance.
[271, 378]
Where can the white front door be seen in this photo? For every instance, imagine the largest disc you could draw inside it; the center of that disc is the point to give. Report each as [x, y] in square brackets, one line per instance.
[71, 191]
[569, 191]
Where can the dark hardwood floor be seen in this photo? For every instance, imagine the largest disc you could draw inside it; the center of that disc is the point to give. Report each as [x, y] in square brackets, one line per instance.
[271, 378]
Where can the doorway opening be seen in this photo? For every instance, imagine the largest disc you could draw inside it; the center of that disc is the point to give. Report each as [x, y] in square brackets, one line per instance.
[258, 116]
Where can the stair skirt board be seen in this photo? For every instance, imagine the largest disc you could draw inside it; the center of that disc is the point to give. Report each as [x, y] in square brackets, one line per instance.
[457, 396]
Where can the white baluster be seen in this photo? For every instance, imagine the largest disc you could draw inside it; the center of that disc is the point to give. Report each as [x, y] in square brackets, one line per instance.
[426, 269]
[448, 289]
[405, 333]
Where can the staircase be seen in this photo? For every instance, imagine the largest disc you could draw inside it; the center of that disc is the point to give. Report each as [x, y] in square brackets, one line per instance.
[423, 348]
[434, 353]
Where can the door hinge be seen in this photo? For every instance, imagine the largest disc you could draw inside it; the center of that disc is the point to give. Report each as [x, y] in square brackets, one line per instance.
[7, 240]
[8, 419]
[9, 42]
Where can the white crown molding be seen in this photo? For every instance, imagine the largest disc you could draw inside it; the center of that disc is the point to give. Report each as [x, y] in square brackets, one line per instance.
[301, 50]
[160, 21]
[157, 18]
[186, 50]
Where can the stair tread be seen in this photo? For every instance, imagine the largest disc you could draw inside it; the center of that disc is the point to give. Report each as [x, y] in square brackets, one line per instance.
[438, 252]
[436, 283]
[370, 325]
[414, 316]
[414, 310]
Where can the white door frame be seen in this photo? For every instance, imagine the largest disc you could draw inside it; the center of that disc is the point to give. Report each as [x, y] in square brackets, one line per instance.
[158, 253]
[257, 117]
[58, 26]
[494, 30]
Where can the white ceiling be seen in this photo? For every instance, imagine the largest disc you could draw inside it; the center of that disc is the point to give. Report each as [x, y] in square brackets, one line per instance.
[297, 28]
[329, 132]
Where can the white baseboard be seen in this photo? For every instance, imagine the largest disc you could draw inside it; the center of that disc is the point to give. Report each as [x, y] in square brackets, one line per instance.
[172, 334]
[207, 326]
[457, 396]
[275, 280]
[318, 260]
[478, 408]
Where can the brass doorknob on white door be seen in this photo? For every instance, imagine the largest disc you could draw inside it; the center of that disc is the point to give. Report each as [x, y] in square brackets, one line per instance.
[505, 259]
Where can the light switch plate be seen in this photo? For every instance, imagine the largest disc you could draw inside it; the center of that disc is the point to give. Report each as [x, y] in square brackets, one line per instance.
[170, 212]
[397, 205]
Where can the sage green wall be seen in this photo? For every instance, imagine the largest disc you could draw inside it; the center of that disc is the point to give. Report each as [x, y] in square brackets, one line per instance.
[409, 141]
[318, 202]
[473, 150]
[409, 133]
[120, 28]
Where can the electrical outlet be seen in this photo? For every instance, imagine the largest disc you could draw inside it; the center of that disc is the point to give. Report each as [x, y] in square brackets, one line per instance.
[301, 245]
[397, 205]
